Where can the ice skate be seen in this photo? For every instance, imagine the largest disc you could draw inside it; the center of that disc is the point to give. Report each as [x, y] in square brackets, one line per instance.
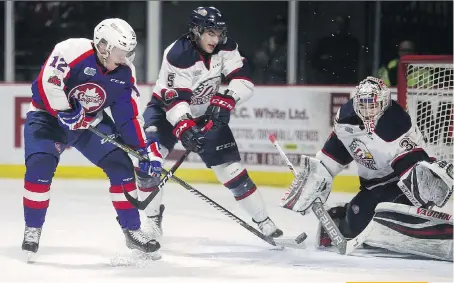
[268, 228]
[30, 244]
[138, 240]
[155, 224]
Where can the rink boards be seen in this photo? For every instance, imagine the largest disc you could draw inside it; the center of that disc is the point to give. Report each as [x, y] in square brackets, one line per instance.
[300, 116]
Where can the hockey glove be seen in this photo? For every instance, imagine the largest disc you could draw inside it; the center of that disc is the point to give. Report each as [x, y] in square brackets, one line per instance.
[190, 135]
[221, 105]
[153, 165]
[74, 118]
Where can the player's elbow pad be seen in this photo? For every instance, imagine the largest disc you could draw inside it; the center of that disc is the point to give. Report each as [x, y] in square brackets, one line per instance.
[243, 90]
[331, 165]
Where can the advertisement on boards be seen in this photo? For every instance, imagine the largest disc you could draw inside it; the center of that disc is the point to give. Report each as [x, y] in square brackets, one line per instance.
[300, 117]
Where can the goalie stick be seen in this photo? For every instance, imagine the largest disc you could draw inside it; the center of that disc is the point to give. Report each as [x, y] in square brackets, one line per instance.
[345, 247]
[188, 187]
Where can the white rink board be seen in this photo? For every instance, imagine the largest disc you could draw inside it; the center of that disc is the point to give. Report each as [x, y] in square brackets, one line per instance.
[300, 115]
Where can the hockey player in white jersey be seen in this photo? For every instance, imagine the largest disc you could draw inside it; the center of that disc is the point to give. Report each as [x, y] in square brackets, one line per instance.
[394, 170]
[186, 96]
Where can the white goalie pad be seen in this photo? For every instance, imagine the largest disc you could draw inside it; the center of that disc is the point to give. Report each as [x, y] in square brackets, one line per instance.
[412, 230]
[312, 184]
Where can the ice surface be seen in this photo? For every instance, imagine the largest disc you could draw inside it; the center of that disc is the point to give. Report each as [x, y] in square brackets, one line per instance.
[81, 240]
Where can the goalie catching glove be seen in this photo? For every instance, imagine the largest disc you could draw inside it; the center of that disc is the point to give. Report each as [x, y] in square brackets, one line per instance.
[312, 184]
[427, 183]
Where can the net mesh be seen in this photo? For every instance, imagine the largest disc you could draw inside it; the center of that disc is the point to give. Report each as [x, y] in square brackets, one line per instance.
[430, 105]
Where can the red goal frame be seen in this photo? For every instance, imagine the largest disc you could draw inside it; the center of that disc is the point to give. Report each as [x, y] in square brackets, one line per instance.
[402, 71]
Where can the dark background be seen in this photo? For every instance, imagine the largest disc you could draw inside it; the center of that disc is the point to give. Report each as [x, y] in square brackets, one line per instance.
[40, 25]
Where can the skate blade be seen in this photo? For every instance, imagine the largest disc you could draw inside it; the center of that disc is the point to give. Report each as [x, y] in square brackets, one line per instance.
[136, 258]
[29, 256]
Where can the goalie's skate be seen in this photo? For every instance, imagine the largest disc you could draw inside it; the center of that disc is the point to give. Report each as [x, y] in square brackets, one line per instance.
[138, 240]
[30, 244]
[155, 224]
[268, 228]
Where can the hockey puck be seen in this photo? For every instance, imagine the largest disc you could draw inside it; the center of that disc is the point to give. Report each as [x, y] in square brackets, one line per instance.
[301, 238]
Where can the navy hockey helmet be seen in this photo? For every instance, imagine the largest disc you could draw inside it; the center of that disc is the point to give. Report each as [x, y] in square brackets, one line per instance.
[203, 18]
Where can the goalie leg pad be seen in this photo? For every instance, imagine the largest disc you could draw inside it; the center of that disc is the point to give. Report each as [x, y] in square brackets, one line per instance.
[407, 229]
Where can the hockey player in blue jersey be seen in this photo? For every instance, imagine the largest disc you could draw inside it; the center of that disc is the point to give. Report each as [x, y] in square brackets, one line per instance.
[78, 81]
[186, 96]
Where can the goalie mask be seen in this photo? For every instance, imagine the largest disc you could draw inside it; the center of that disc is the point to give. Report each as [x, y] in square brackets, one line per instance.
[371, 99]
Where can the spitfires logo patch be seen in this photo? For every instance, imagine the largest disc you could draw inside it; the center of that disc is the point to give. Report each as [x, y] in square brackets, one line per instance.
[90, 95]
[362, 155]
[206, 89]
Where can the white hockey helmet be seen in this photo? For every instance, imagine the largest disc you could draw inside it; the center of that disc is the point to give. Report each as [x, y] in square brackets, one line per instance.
[371, 98]
[116, 34]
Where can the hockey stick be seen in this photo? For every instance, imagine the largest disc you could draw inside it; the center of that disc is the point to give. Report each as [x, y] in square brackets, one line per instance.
[345, 247]
[135, 201]
[317, 207]
[188, 187]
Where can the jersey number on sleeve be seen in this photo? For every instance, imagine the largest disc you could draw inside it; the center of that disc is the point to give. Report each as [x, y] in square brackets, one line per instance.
[170, 79]
[59, 63]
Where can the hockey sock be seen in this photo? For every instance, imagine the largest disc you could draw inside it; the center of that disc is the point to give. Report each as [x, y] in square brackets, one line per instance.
[118, 167]
[245, 192]
[38, 178]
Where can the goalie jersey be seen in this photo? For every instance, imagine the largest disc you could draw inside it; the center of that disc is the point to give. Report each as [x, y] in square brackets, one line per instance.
[382, 155]
[196, 78]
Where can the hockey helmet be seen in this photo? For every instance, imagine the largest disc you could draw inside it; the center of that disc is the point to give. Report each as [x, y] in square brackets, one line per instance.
[203, 18]
[118, 36]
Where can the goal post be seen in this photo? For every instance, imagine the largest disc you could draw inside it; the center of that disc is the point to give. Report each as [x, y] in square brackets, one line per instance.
[425, 87]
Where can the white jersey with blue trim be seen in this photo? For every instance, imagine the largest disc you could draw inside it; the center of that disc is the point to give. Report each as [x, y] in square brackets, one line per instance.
[196, 77]
[383, 154]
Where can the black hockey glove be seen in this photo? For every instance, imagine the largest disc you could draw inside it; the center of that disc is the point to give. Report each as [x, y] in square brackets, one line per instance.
[221, 105]
[190, 135]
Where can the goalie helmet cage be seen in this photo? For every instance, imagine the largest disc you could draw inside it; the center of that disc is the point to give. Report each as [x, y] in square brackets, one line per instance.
[425, 86]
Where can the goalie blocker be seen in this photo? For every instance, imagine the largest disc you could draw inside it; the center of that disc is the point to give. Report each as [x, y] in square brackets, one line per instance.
[414, 230]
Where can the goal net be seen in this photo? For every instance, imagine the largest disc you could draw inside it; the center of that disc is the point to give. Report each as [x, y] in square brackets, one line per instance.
[425, 88]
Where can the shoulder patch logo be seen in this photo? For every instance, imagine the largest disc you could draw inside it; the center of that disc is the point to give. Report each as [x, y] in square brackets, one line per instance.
[54, 80]
[89, 71]
[407, 143]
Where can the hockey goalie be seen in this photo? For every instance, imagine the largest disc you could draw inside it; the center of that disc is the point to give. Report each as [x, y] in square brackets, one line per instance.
[399, 182]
